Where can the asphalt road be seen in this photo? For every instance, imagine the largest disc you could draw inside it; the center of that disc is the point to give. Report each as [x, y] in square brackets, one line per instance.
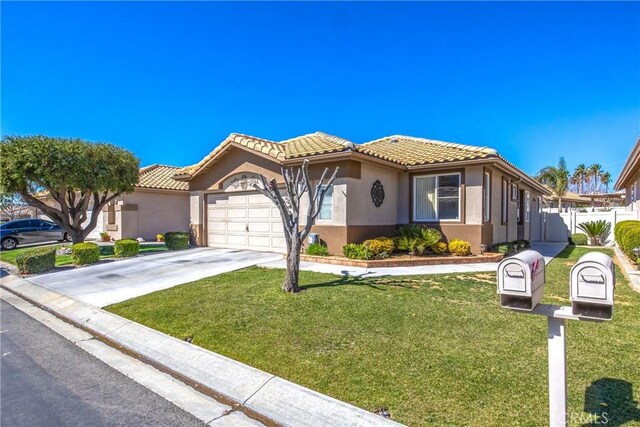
[47, 381]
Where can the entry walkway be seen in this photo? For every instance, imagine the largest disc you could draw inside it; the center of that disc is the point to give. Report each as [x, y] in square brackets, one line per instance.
[547, 249]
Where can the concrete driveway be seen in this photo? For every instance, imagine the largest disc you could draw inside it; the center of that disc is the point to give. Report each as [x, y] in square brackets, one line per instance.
[112, 282]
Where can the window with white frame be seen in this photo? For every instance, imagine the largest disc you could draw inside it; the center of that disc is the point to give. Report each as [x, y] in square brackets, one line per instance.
[527, 206]
[486, 195]
[505, 201]
[326, 209]
[436, 197]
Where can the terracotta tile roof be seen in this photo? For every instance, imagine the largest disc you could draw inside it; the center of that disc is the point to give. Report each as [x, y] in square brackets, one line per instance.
[160, 177]
[314, 143]
[411, 151]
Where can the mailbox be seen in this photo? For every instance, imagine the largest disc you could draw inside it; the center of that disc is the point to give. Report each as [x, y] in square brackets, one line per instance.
[593, 279]
[521, 280]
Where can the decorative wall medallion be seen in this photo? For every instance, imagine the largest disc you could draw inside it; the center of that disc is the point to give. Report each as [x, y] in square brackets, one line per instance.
[377, 193]
[241, 182]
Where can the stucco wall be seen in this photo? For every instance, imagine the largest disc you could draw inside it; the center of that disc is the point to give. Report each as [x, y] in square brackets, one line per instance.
[632, 193]
[147, 213]
[360, 207]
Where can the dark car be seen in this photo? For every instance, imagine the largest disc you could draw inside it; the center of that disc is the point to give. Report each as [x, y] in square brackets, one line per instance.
[25, 231]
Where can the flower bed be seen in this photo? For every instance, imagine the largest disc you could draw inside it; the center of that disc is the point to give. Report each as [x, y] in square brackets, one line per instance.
[404, 260]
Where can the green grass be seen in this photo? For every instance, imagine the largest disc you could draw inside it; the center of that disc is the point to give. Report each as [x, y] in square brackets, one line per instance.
[106, 251]
[432, 349]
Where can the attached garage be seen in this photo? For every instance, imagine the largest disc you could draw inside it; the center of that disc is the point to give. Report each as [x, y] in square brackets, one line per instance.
[244, 221]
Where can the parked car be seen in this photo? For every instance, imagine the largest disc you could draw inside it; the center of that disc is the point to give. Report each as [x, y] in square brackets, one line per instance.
[33, 230]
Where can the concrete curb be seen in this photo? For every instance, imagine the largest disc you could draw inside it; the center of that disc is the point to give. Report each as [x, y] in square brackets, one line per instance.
[266, 397]
[630, 273]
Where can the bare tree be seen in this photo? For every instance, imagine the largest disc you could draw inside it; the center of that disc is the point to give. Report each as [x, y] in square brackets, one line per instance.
[297, 183]
[12, 206]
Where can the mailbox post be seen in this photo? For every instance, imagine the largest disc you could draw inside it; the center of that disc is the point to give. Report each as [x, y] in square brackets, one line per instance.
[521, 281]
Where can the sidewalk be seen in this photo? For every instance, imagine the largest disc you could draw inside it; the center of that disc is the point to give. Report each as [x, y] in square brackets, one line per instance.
[272, 400]
[629, 271]
[547, 249]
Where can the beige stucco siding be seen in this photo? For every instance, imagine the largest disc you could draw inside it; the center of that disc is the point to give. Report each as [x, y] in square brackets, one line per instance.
[632, 193]
[473, 194]
[360, 207]
[147, 213]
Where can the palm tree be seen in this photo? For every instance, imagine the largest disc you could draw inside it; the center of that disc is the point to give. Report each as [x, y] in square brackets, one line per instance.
[580, 176]
[605, 178]
[595, 170]
[556, 177]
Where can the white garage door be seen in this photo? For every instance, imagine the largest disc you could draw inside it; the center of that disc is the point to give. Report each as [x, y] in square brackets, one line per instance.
[244, 221]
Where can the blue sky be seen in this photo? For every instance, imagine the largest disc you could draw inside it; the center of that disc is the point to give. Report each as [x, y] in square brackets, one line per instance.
[169, 81]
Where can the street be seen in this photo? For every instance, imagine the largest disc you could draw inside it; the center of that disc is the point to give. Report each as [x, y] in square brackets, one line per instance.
[45, 380]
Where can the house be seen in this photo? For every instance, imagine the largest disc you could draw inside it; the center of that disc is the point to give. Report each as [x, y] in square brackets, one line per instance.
[158, 204]
[569, 200]
[467, 192]
[629, 180]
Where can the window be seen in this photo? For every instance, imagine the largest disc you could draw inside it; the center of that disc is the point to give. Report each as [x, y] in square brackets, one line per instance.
[514, 192]
[326, 210]
[505, 201]
[527, 206]
[436, 198]
[486, 196]
[111, 214]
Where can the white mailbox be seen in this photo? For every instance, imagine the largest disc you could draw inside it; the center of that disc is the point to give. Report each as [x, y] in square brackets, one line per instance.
[521, 280]
[593, 279]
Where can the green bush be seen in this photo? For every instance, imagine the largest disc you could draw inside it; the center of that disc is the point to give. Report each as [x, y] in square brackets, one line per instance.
[459, 247]
[380, 247]
[85, 253]
[578, 239]
[176, 240]
[317, 249]
[621, 226]
[440, 248]
[355, 251]
[126, 248]
[37, 260]
[503, 248]
[417, 239]
[630, 239]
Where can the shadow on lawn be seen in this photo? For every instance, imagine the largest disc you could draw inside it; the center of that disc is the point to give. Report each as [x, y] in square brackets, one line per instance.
[379, 283]
[610, 402]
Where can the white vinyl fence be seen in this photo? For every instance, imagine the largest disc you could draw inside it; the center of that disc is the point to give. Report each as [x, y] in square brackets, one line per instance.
[568, 222]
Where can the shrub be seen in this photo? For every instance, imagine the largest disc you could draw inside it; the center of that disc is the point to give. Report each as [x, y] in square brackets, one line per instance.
[596, 230]
[37, 260]
[503, 248]
[160, 237]
[176, 240]
[459, 247]
[407, 243]
[578, 239]
[317, 249]
[85, 253]
[440, 248]
[428, 237]
[355, 251]
[417, 239]
[630, 239]
[621, 227]
[126, 248]
[380, 245]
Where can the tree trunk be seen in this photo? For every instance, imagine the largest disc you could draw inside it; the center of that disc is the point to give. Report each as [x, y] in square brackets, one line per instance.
[77, 236]
[293, 270]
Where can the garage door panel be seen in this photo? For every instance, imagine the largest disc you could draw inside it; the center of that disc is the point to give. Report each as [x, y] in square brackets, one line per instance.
[237, 227]
[244, 221]
[217, 213]
[259, 227]
[236, 213]
[259, 213]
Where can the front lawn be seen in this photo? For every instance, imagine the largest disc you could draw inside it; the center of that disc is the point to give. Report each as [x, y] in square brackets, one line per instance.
[432, 349]
[106, 251]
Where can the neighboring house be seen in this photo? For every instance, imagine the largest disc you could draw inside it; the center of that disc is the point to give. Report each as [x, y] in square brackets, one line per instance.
[629, 180]
[471, 193]
[158, 204]
[569, 200]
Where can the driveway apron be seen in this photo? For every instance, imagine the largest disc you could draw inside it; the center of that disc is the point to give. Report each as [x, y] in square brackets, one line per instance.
[111, 282]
